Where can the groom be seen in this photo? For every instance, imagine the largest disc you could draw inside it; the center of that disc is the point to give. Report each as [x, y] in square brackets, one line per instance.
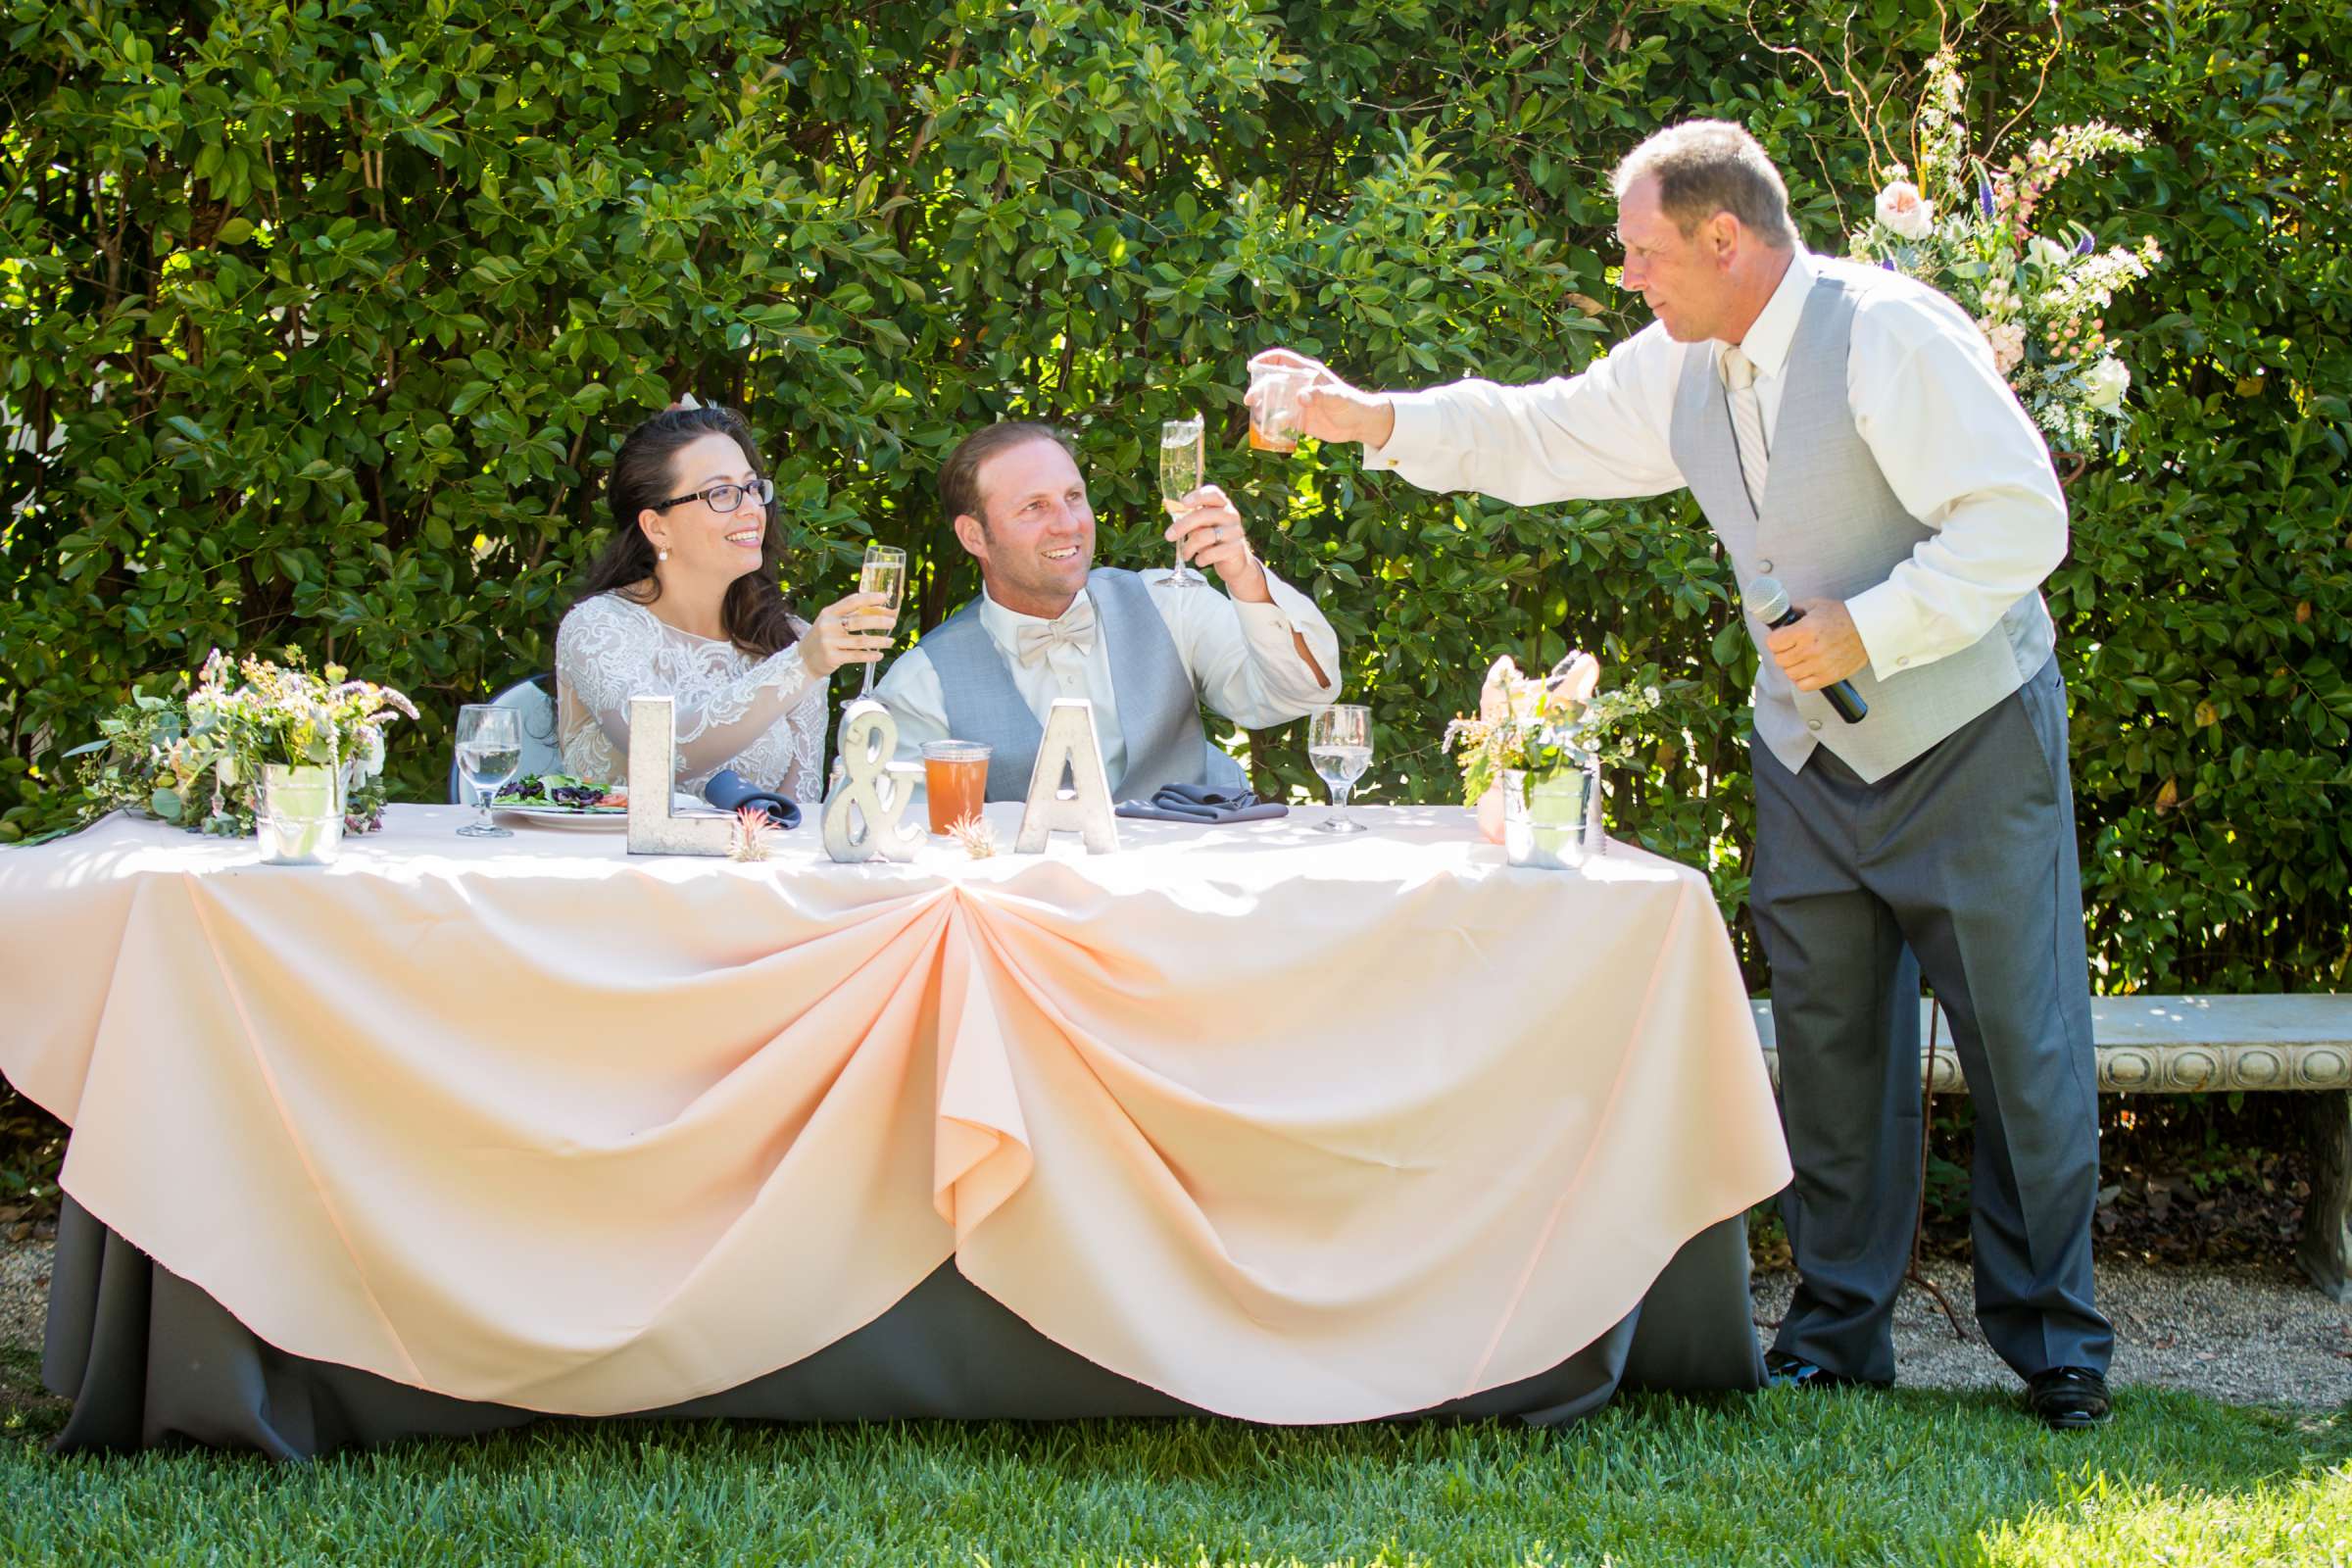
[1049, 623]
[1846, 433]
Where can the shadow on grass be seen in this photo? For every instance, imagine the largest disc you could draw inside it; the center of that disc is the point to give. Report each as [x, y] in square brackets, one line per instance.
[27, 1409]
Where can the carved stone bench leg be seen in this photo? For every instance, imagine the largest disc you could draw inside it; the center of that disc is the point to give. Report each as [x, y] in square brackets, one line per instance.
[2325, 1251]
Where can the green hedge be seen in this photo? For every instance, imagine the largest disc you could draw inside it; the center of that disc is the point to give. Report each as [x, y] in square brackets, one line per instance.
[318, 323]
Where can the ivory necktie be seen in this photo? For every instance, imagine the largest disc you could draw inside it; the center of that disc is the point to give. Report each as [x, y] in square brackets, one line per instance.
[1748, 422]
[1076, 626]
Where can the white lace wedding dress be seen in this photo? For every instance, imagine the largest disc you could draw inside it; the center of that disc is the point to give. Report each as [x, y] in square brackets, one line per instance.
[763, 717]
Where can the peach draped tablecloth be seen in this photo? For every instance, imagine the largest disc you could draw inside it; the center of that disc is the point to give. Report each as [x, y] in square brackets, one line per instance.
[1291, 1127]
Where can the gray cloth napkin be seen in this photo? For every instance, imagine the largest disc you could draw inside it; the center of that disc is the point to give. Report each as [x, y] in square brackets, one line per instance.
[1203, 803]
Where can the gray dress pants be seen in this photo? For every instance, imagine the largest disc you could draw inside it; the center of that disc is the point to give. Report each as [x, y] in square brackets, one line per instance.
[1961, 864]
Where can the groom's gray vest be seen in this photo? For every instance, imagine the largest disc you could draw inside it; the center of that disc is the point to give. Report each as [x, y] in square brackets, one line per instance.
[1159, 713]
[1830, 527]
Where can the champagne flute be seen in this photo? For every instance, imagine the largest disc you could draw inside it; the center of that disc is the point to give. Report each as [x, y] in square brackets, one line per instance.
[883, 572]
[1339, 742]
[489, 751]
[1180, 474]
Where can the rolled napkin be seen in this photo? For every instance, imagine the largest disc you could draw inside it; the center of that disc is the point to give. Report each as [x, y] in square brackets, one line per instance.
[728, 791]
[1203, 803]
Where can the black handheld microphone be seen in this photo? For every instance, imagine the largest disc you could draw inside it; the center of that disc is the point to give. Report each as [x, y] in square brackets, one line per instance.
[1770, 601]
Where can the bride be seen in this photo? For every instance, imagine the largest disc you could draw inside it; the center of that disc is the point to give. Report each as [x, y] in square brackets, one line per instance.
[684, 602]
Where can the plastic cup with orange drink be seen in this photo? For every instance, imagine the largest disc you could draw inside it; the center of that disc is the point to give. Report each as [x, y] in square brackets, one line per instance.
[955, 781]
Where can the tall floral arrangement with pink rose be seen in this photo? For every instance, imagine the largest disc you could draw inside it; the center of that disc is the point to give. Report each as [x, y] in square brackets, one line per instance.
[1968, 229]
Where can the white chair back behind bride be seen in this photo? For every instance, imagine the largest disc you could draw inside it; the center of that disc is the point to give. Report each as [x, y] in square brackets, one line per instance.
[535, 709]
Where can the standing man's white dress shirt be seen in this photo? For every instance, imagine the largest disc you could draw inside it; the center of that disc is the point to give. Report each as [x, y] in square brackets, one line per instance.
[1241, 656]
[1957, 450]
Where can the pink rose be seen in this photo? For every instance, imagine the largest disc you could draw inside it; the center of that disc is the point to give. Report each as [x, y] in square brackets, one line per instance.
[1904, 211]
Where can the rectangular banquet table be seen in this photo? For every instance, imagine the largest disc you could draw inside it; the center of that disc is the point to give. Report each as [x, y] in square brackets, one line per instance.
[1247, 1119]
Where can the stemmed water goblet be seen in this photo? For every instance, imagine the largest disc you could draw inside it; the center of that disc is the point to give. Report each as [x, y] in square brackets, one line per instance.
[1339, 742]
[489, 751]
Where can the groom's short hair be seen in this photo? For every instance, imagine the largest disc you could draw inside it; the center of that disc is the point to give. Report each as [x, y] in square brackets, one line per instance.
[959, 476]
[1706, 166]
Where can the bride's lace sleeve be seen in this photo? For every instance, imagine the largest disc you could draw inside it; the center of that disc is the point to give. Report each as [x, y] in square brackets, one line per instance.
[606, 653]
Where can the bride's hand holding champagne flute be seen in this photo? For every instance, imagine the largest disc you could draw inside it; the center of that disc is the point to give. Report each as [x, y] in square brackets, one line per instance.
[854, 629]
[882, 576]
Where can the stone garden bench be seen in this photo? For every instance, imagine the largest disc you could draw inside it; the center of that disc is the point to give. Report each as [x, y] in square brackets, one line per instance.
[2157, 1045]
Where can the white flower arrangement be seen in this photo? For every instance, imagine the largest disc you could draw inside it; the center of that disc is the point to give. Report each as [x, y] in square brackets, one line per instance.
[2038, 300]
[1552, 725]
[195, 760]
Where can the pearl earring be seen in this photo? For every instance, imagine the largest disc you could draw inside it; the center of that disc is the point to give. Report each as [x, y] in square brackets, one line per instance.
[661, 554]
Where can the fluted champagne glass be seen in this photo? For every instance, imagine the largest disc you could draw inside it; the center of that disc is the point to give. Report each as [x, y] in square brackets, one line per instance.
[884, 571]
[1180, 474]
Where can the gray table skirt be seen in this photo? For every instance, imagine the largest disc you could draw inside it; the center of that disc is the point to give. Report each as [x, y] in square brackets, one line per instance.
[149, 1359]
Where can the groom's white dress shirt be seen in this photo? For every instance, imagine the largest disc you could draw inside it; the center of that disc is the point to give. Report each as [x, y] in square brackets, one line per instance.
[1240, 655]
[1957, 450]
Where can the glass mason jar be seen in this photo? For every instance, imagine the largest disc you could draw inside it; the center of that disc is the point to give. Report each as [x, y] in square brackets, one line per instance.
[298, 815]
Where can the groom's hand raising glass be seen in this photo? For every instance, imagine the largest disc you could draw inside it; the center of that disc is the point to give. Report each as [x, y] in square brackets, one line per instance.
[1209, 533]
[1328, 408]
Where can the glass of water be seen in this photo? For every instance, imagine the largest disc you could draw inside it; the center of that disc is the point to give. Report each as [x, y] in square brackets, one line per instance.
[1339, 742]
[489, 751]
[883, 572]
[1180, 474]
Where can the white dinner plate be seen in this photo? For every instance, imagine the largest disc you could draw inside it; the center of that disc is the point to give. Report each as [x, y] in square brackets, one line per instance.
[564, 817]
[593, 818]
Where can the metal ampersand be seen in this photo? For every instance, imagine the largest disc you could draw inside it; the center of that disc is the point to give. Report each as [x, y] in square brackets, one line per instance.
[861, 816]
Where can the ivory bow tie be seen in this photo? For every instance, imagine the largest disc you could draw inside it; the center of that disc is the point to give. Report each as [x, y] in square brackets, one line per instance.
[1033, 640]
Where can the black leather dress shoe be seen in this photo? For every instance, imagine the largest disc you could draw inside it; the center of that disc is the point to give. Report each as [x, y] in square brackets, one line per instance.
[2068, 1398]
[1784, 1371]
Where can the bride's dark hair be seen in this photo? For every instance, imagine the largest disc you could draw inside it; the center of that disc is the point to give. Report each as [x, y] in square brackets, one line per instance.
[756, 614]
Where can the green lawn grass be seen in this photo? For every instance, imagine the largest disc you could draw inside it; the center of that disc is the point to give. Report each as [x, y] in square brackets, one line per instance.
[1907, 1478]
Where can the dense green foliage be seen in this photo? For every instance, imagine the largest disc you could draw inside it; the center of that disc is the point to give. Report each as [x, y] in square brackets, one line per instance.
[1649, 1480]
[318, 320]
[333, 310]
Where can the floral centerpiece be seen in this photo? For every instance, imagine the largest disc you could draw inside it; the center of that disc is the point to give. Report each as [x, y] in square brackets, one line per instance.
[196, 759]
[1534, 733]
[1540, 726]
[1967, 229]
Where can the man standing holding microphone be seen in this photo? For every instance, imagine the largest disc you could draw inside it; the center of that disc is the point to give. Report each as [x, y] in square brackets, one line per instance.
[1846, 433]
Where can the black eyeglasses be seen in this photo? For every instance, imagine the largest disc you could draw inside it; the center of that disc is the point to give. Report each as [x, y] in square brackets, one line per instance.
[725, 498]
